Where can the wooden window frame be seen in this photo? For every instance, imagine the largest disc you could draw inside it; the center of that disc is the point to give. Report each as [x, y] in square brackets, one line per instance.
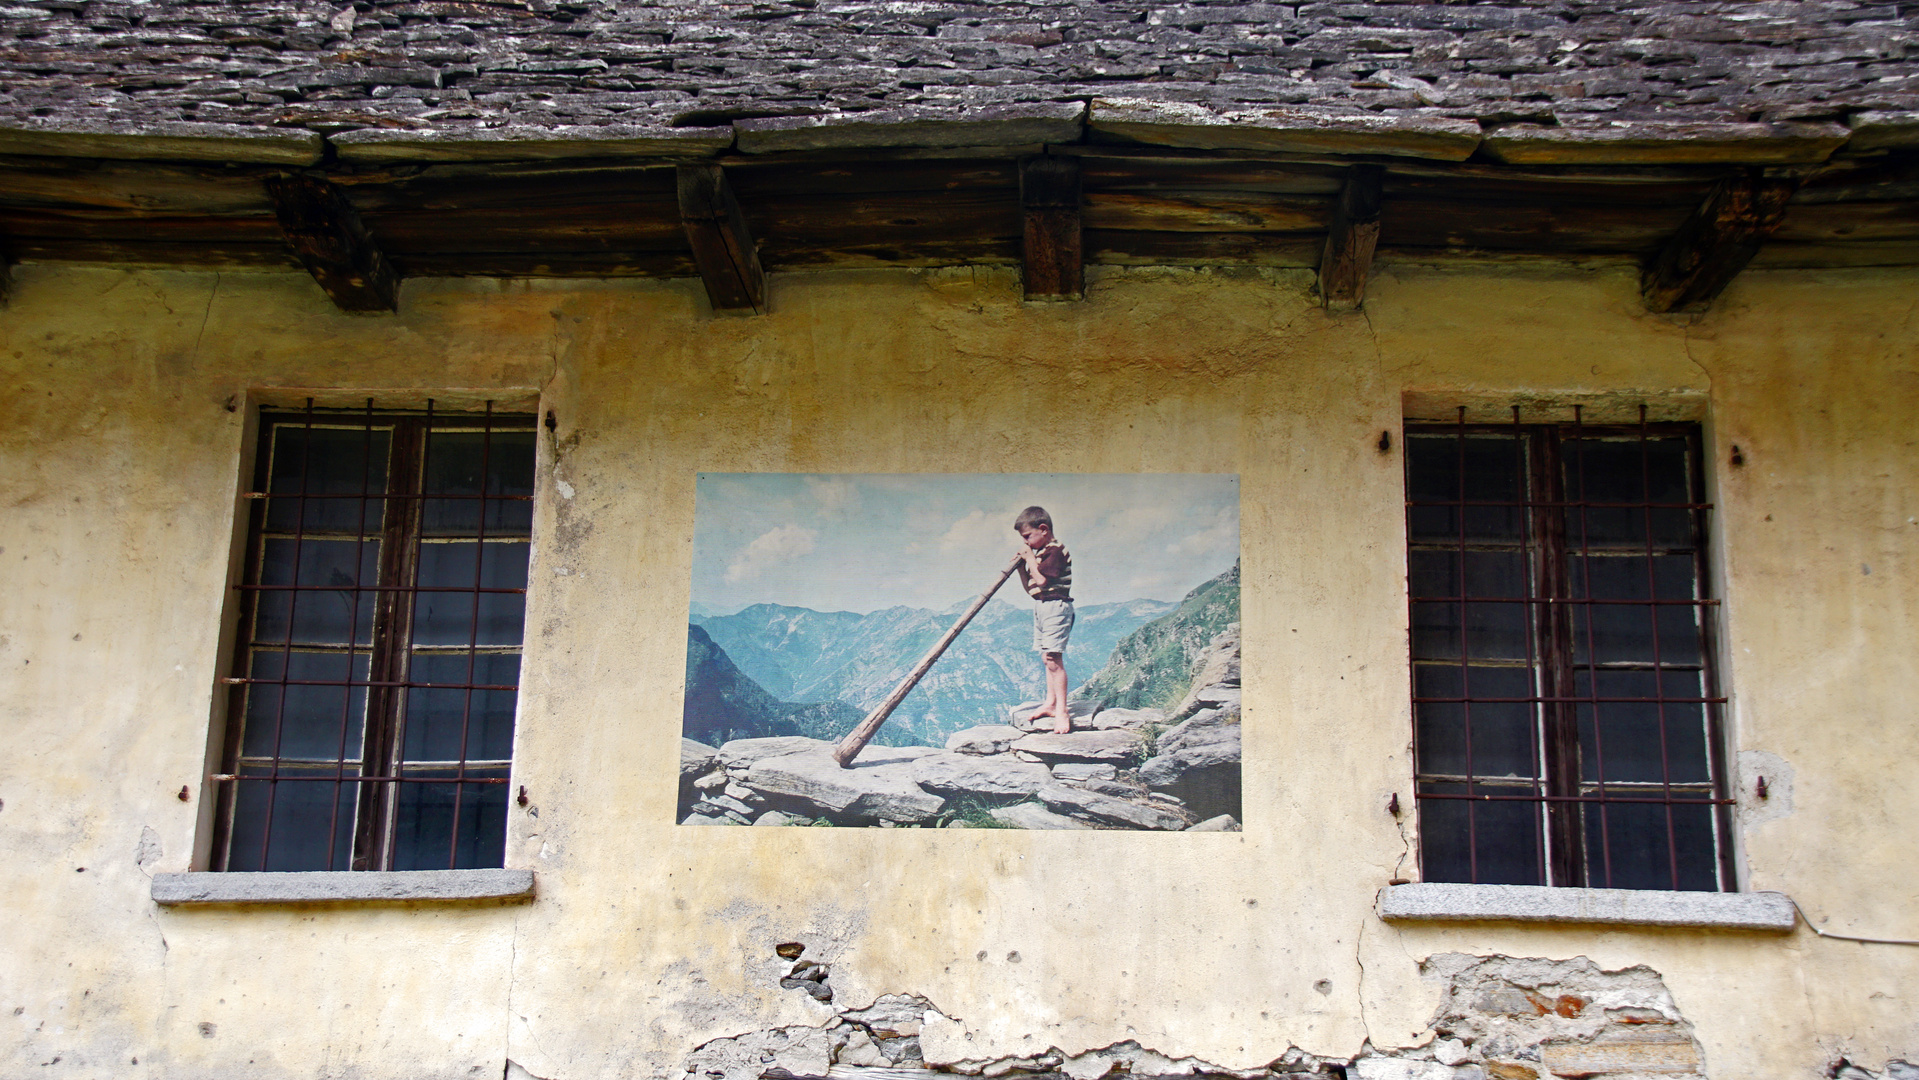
[381, 766]
[1563, 792]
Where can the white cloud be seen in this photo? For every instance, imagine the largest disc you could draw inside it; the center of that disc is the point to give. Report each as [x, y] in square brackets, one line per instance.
[770, 549]
[1212, 538]
[831, 492]
[980, 532]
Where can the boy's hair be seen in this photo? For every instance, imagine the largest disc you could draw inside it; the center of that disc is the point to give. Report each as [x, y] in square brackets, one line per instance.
[1033, 516]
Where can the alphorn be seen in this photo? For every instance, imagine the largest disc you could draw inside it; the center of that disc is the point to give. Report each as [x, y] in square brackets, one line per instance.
[856, 739]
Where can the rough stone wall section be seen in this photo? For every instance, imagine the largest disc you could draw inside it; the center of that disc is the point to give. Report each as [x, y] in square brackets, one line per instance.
[1499, 1018]
[474, 64]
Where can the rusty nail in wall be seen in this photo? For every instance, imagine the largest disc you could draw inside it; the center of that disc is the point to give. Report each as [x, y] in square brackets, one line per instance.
[1386, 442]
[1392, 805]
[1738, 458]
[521, 799]
[186, 793]
[1759, 789]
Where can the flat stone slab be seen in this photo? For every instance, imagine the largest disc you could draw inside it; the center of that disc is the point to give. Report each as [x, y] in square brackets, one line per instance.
[169, 140]
[1082, 771]
[1883, 130]
[881, 790]
[1222, 823]
[696, 758]
[741, 753]
[1651, 142]
[1035, 816]
[985, 739]
[1130, 719]
[341, 887]
[1169, 771]
[1082, 714]
[1443, 901]
[998, 776]
[1285, 130]
[526, 143]
[1061, 798]
[1117, 746]
[993, 125]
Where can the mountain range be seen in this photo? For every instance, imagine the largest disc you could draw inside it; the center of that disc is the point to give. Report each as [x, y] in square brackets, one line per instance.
[799, 656]
[1152, 668]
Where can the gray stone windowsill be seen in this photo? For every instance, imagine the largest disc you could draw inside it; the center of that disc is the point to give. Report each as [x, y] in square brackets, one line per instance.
[342, 887]
[1433, 901]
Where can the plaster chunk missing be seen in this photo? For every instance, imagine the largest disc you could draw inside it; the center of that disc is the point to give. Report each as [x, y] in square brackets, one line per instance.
[1523, 1019]
[1499, 1018]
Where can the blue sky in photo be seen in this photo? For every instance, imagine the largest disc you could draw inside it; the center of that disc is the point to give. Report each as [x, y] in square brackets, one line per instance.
[861, 542]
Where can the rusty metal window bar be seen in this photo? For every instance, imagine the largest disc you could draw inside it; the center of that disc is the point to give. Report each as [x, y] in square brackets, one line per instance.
[382, 614]
[1566, 711]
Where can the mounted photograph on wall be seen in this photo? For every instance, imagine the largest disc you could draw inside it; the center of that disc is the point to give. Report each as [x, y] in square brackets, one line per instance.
[998, 651]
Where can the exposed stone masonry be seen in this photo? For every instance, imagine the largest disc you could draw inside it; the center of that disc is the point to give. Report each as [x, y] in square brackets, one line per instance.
[486, 63]
[1499, 1018]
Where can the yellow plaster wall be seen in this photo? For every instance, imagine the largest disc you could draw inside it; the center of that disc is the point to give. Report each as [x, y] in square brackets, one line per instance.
[119, 462]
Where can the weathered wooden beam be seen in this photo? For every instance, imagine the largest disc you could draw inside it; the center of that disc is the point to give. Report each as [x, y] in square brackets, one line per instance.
[722, 245]
[1717, 241]
[1051, 259]
[1350, 238]
[329, 238]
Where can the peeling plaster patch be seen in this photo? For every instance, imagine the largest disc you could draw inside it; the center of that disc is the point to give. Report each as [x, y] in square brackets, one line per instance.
[149, 849]
[887, 1035]
[1894, 1070]
[1520, 1019]
[1499, 1018]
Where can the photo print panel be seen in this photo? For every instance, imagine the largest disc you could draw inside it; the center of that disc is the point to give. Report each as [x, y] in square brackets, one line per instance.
[1003, 651]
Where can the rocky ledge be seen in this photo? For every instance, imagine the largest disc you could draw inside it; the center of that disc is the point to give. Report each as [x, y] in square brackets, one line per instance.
[1154, 769]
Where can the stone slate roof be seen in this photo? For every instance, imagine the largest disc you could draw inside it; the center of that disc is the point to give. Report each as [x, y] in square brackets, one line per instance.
[467, 66]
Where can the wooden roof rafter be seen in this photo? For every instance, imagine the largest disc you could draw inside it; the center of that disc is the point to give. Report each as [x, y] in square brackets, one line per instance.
[1137, 203]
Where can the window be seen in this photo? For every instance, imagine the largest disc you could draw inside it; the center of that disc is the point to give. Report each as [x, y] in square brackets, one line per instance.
[371, 719]
[1565, 708]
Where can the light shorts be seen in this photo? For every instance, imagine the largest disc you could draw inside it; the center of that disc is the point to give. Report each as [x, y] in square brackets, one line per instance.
[1052, 624]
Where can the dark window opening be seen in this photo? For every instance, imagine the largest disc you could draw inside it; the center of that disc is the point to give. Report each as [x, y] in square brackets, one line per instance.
[370, 724]
[1566, 712]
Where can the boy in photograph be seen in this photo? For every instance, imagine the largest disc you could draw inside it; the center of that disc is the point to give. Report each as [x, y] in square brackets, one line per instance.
[1046, 570]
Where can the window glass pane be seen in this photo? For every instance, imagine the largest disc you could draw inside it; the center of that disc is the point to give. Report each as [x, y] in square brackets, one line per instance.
[446, 618]
[1607, 471]
[343, 461]
[455, 462]
[1628, 734]
[1504, 837]
[318, 721]
[423, 834]
[302, 805]
[1624, 632]
[1493, 631]
[1492, 472]
[345, 572]
[1502, 733]
[437, 717]
[1638, 844]
[1490, 574]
